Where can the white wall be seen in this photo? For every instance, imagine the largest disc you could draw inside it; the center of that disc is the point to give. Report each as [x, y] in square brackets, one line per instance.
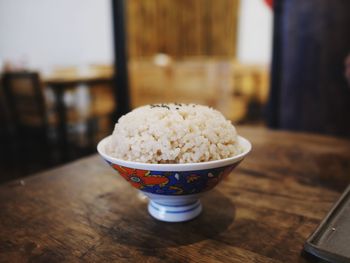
[254, 32]
[48, 33]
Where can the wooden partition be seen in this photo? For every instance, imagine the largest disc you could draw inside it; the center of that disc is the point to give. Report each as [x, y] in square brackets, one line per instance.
[223, 84]
[182, 27]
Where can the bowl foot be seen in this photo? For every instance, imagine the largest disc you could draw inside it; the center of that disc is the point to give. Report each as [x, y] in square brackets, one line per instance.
[174, 213]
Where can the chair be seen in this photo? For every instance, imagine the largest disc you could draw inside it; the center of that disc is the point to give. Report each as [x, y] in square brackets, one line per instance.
[7, 141]
[32, 121]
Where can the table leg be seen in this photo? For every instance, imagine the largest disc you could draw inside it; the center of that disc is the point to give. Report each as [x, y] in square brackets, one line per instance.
[62, 121]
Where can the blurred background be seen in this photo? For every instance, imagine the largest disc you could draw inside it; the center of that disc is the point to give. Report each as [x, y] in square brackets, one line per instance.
[70, 69]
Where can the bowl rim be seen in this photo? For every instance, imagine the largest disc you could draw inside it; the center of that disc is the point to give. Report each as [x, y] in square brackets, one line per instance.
[244, 143]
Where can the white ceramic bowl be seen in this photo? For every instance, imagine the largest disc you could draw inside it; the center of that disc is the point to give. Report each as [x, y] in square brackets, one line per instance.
[174, 189]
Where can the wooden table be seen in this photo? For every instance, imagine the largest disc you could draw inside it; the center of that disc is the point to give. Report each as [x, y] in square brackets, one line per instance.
[263, 212]
[59, 85]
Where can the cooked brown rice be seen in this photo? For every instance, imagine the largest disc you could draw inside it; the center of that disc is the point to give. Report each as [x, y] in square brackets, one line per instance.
[173, 133]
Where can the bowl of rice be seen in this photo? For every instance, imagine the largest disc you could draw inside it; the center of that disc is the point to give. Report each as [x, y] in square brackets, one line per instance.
[174, 153]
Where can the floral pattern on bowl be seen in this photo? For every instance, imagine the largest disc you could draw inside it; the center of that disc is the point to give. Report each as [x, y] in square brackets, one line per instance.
[176, 182]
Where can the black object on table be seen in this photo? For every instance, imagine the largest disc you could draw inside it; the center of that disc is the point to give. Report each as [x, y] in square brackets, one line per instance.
[331, 240]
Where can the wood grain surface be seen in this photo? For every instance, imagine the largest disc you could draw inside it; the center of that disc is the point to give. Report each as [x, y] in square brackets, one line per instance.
[263, 212]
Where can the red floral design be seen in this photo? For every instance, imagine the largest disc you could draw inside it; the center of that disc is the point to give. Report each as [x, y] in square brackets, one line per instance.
[140, 178]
